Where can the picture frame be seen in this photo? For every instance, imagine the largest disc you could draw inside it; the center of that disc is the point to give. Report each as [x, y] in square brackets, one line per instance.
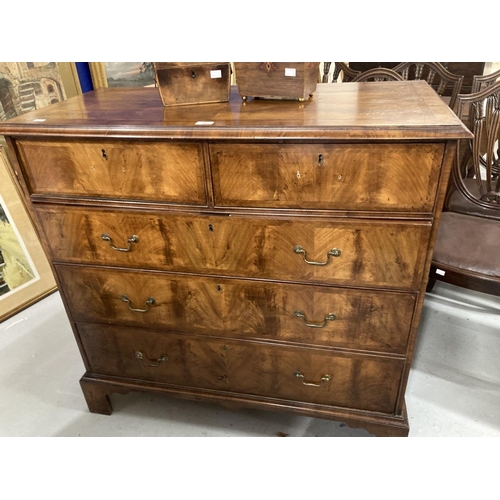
[70, 79]
[122, 74]
[101, 73]
[26, 86]
[24, 268]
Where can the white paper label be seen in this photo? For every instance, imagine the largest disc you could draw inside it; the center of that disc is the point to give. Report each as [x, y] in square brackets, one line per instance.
[204, 123]
[39, 120]
[440, 272]
[290, 72]
[216, 73]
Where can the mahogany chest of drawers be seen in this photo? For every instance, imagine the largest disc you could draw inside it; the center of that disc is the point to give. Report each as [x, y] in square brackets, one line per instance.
[271, 254]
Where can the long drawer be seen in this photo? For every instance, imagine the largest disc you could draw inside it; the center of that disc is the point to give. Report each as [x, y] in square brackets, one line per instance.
[307, 375]
[306, 314]
[137, 170]
[340, 251]
[394, 177]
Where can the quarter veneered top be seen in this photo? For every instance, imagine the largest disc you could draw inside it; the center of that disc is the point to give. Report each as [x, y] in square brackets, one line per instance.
[342, 111]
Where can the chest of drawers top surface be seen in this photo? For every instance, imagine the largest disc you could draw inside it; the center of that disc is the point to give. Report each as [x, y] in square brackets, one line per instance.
[378, 110]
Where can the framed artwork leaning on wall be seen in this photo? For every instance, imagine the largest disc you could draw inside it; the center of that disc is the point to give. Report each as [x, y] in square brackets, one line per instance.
[25, 273]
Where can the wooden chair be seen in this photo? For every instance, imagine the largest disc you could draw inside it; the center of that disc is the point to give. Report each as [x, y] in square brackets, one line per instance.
[480, 82]
[467, 251]
[339, 67]
[378, 75]
[434, 74]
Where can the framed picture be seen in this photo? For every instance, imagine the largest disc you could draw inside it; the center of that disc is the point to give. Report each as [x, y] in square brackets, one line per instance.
[70, 79]
[128, 74]
[122, 74]
[26, 86]
[25, 273]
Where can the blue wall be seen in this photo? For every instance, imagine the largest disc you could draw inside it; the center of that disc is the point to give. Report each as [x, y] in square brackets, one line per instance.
[84, 75]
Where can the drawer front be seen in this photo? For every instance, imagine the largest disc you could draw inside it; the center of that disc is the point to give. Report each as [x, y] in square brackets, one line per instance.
[314, 315]
[393, 177]
[136, 170]
[352, 381]
[357, 253]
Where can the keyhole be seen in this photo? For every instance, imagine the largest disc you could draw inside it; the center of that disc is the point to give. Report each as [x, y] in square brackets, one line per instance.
[103, 151]
[219, 288]
[211, 228]
[320, 159]
[193, 74]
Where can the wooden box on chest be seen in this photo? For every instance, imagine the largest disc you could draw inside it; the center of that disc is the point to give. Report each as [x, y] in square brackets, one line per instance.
[276, 258]
[192, 83]
[295, 80]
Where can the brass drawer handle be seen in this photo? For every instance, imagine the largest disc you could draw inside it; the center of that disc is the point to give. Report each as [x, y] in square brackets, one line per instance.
[334, 252]
[132, 239]
[150, 301]
[302, 316]
[324, 378]
[149, 362]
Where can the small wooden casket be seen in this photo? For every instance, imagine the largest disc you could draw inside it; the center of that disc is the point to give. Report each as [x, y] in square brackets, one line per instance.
[277, 80]
[193, 83]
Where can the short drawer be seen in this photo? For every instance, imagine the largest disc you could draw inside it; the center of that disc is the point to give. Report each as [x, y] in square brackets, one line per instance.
[302, 314]
[332, 251]
[136, 170]
[392, 177]
[291, 373]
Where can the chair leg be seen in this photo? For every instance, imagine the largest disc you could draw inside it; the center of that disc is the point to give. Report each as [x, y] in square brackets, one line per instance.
[430, 284]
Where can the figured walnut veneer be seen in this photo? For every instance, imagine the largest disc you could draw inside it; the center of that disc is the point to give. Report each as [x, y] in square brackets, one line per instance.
[372, 253]
[327, 175]
[137, 170]
[358, 381]
[369, 320]
[268, 254]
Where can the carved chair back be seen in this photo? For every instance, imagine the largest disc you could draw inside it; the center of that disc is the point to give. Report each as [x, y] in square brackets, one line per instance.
[480, 82]
[467, 250]
[476, 173]
[434, 74]
[378, 75]
[338, 67]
